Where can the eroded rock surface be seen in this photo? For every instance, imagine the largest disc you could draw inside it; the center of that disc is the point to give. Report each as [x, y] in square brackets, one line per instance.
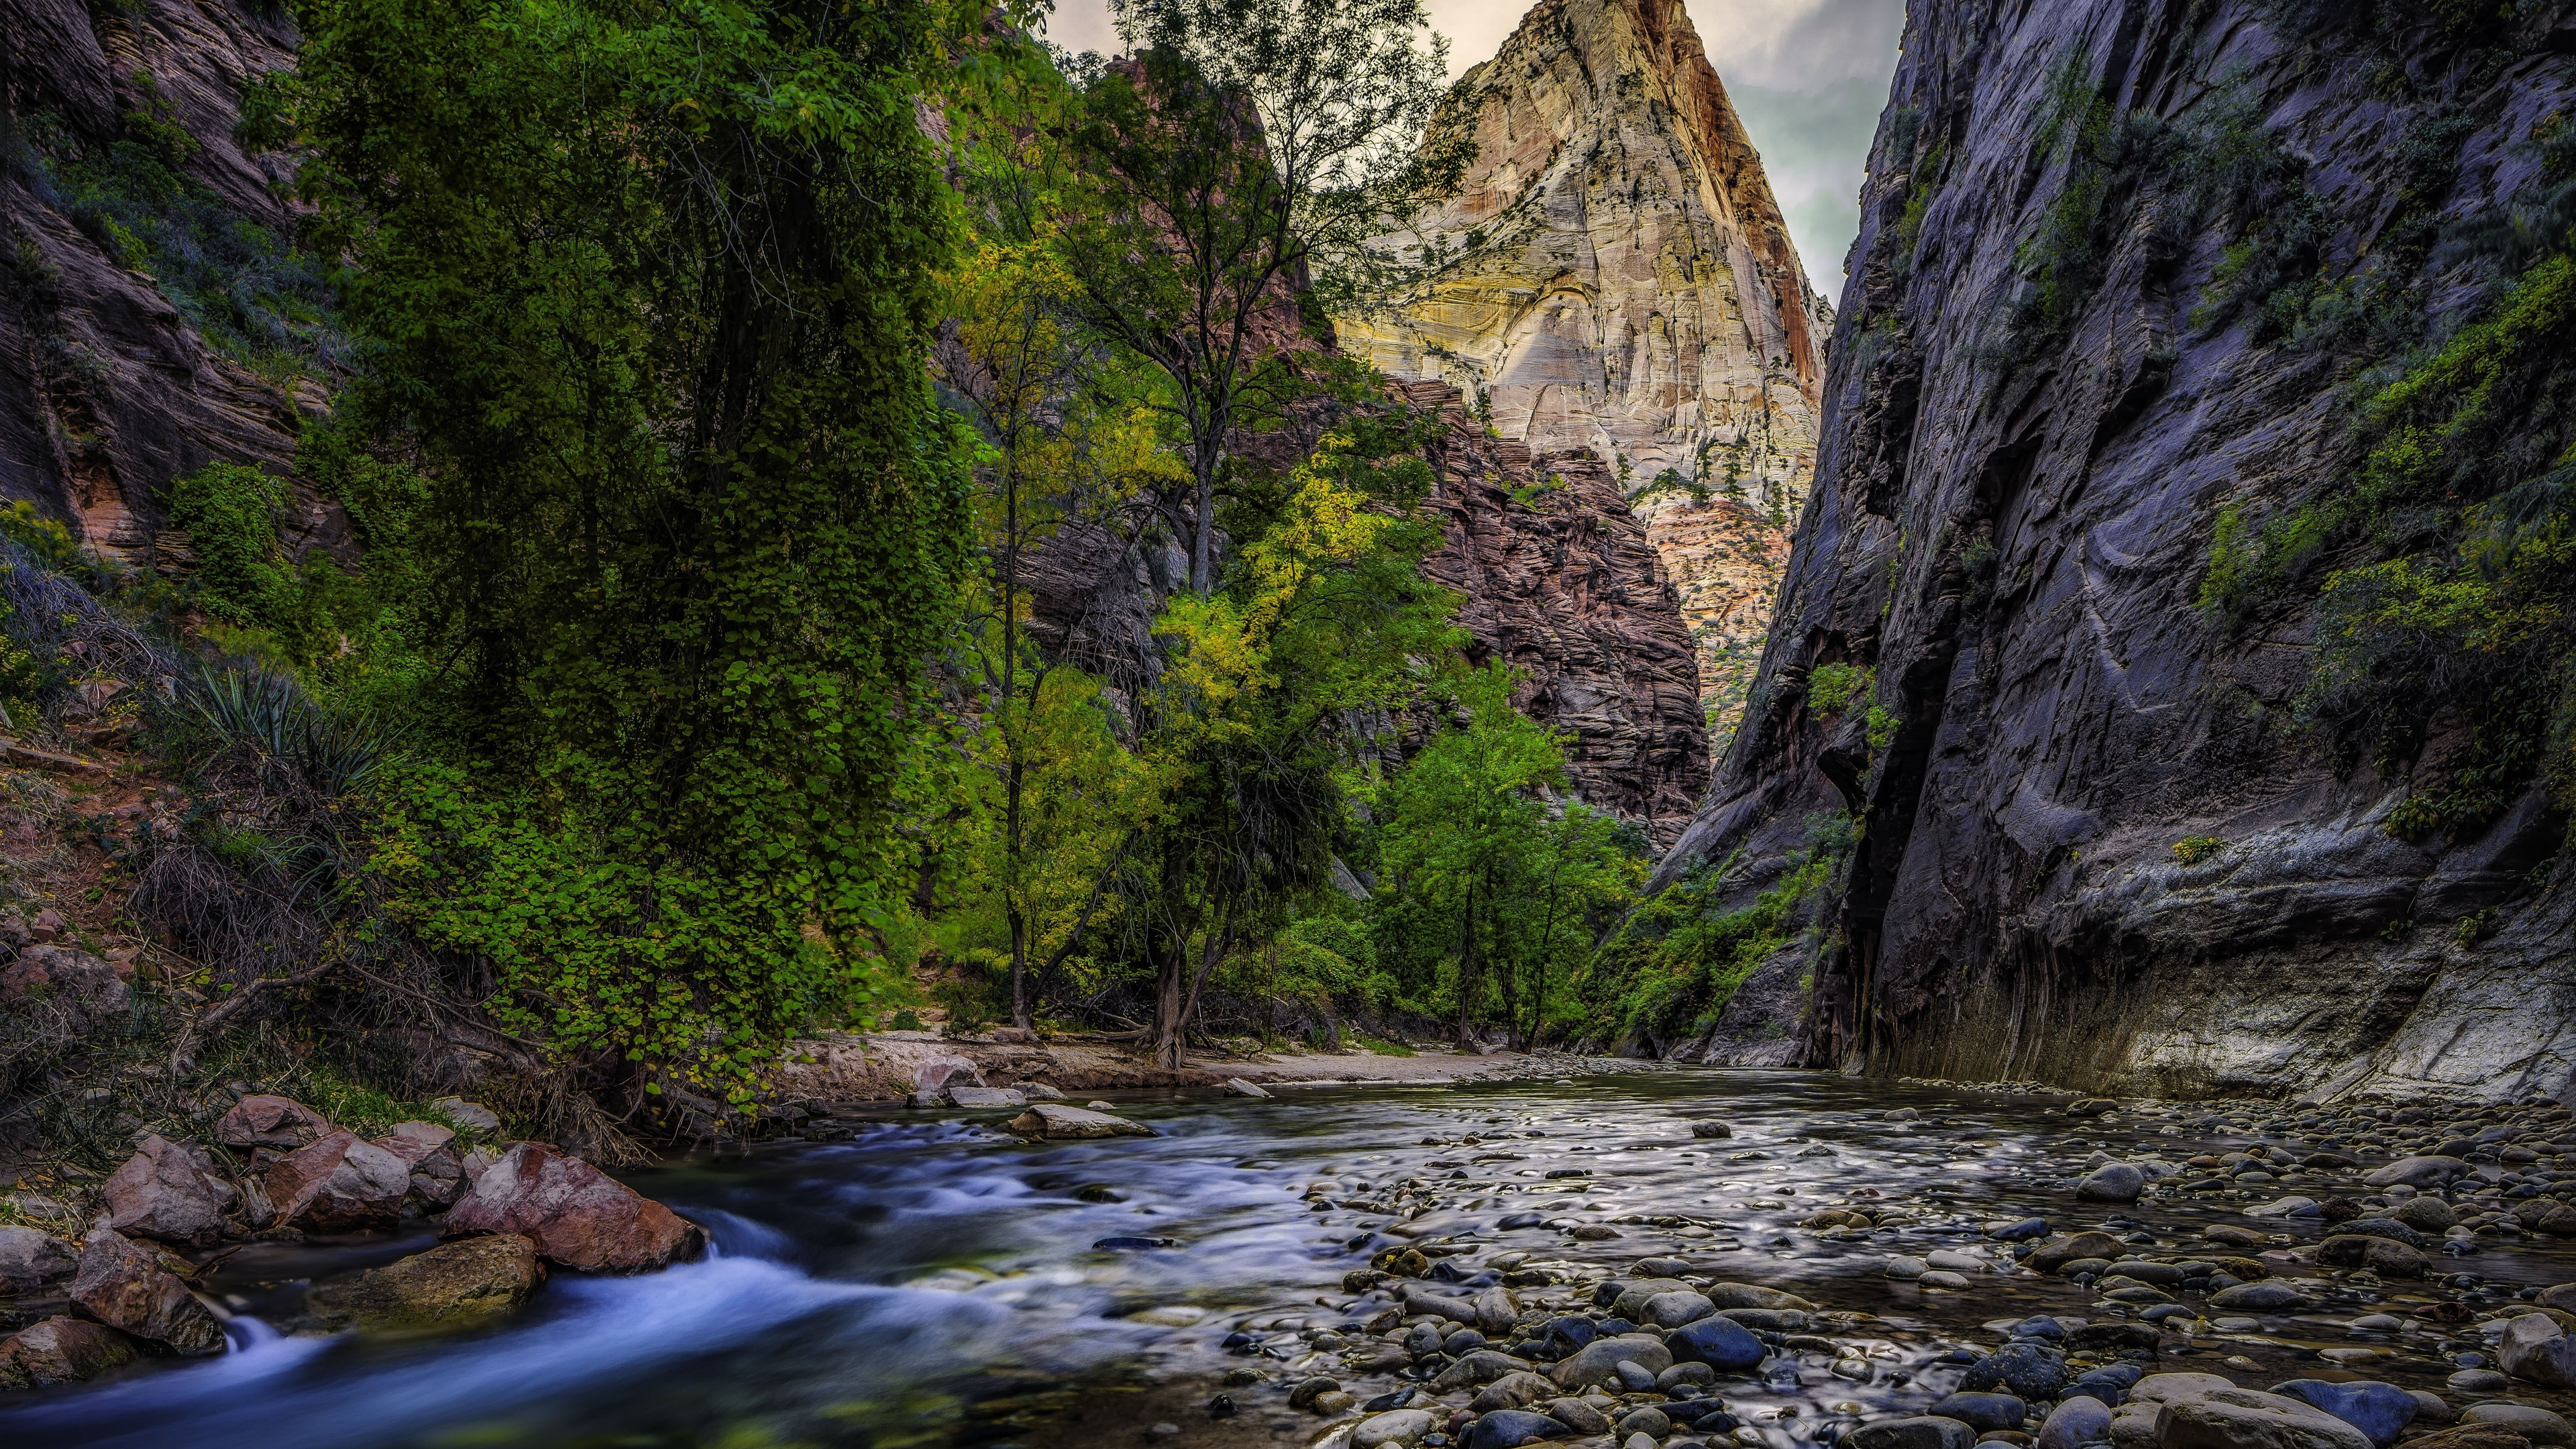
[1624, 283]
[577, 1215]
[2095, 844]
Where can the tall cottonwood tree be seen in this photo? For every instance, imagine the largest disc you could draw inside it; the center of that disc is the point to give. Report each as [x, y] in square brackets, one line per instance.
[1241, 155]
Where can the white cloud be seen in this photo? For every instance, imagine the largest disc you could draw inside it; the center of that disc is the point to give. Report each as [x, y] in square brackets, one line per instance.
[1808, 76]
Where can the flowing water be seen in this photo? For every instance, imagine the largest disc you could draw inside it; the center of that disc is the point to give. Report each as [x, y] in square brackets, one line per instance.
[931, 1281]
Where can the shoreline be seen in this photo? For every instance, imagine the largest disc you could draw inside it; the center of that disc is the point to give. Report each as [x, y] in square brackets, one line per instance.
[886, 1067]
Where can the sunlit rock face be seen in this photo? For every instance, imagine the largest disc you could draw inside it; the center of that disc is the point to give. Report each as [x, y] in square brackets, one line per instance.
[1622, 281]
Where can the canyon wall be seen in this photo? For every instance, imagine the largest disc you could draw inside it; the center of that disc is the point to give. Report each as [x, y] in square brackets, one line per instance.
[1621, 281]
[2125, 268]
[112, 382]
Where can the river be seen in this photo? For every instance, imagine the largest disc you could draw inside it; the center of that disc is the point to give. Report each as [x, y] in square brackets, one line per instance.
[932, 1281]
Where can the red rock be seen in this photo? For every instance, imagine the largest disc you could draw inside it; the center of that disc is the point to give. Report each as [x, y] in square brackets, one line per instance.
[164, 1191]
[338, 1185]
[412, 1141]
[577, 1215]
[60, 1351]
[262, 1121]
[31, 1258]
[125, 1287]
[76, 978]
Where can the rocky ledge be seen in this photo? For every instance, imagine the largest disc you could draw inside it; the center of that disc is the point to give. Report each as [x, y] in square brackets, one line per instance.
[279, 1171]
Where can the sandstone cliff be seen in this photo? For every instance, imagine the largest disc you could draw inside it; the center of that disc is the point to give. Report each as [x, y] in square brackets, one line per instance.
[2124, 267]
[1623, 282]
[153, 317]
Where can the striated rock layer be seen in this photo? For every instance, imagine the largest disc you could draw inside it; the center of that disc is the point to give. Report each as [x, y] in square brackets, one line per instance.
[1623, 282]
[107, 391]
[2010, 530]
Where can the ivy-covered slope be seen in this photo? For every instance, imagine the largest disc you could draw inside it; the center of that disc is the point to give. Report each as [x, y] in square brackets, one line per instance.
[2185, 608]
[155, 315]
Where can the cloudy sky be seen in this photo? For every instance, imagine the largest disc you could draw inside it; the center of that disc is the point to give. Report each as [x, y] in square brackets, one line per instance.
[1808, 76]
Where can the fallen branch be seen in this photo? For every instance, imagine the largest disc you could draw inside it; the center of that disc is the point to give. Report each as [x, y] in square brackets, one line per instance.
[222, 1011]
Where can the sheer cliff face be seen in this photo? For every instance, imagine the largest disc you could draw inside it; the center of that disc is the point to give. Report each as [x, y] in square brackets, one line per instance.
[2017, 494]
[1625, 284]
[107, 391]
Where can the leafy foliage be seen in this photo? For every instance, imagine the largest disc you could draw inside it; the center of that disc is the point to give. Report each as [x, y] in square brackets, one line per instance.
[647, 288]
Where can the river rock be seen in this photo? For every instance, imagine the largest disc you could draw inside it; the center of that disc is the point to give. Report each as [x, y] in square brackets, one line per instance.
[1516, 1390]
[1629, 1302]
[1720, 1343]
[2113, 1182]
[1496, 1310]
[1921, 1431]
[1672, 1310]
[1711, 1129]
[2078, 1419]
[2426, 1213]
[1599, 1360]
[1905, 1269]
[454, 1285]
[985, 1097]
[1644, 1419]
[2383, 1256]
[936, 1072]
[1477, 1368]
[468, 1116]
[60, 1351]
[2534, 1347]
[30, 1258]
[578, 1216]
[1057, 1123]
[165, 1192]
[2416, 1172]
[1237, 1086]
[2536, 1424]
[266, 1121]
[2386, 1227]
[1394, 1427]
[2066, 1248]
[1982, 1411]
[125, 1287]
[413, 1141]
[1750, 1295]
[2266, 1297]
[2234, 1418]
[338, 1184]
[1509, 1428]
[2031, 1371]
[1577, 1415]
[2377, 1409]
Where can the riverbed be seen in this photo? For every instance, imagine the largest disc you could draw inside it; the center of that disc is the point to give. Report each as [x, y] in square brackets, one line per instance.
[930, 1280]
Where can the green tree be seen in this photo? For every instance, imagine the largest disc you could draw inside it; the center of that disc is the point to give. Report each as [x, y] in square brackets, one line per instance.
[1249, 147]
[1323, 623]
[1490, 883]
[645, 289]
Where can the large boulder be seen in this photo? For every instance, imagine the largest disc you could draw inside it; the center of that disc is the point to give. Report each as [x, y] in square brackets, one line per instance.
[454, 1285]
[31, 1258]
[2417, 1172]
[1722, 1343]
[2234, 1418]
[1753, 1295]
[165, 1191]
[2113, 1182]
[429, 1151]
[1057, 1123]
[338, 1183]
[578, 1216]
[2380, 1410]
[2065, 1248]
[266, 1121]
[1600, 1360]
[84, 986]
[1921, 1431]
[2534, 1347]
[124, 1286]
[60, 1351]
